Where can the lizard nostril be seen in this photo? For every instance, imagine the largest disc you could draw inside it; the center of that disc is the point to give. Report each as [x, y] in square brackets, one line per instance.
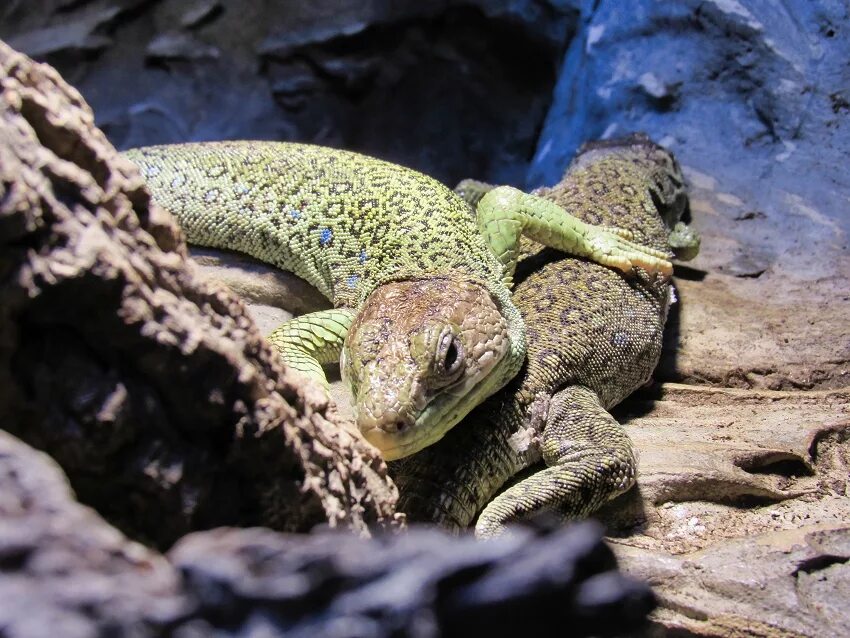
[395, 427]
[401, 426]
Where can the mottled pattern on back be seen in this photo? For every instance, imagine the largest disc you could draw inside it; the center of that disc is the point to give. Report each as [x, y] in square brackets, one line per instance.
[585, 323]
[345, 222]
[590, 330]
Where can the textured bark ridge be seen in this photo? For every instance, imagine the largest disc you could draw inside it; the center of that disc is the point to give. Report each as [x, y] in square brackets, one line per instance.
[66, 572]
[152, 389]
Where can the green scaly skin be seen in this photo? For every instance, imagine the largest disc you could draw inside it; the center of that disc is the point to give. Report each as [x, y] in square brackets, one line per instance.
[594, 337]
[361, 230]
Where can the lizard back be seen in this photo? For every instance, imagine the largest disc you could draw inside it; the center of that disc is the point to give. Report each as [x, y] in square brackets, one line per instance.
[588, 325]
[345, 222]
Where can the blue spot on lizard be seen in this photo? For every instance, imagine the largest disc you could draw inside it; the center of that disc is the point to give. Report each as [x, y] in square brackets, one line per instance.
[326, 237]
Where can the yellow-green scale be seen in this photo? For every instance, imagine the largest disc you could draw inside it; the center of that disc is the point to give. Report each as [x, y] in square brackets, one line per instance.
[319, 213]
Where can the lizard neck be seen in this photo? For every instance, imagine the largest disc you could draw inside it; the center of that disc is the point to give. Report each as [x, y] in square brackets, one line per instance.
[516, 331]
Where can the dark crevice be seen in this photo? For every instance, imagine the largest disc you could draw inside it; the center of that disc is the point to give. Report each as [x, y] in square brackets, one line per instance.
[752, 501]
[689, 273]
[755, 274]
[839, 103]
[383, 83]
[838, 434]
[14, 558]
[819, 563]
[65, 8]
[779, 463]
[789, 468]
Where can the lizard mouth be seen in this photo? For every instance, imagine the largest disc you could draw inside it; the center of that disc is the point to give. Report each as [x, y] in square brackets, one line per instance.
[440, 415]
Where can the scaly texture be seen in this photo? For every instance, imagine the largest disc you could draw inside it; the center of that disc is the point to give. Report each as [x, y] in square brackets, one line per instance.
[317, 212]
[593, 336]
[352, 225]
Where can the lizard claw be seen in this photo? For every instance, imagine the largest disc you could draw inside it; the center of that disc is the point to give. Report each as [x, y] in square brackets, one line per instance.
[611, 248]
[625, 233]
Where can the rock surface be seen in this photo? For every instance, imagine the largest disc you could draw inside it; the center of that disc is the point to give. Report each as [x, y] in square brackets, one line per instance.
[421, 583]
[787, 583]
[63, 570]
[154, 390]
[752, 97]
[446, 86]
[740, 519]
[66, 572]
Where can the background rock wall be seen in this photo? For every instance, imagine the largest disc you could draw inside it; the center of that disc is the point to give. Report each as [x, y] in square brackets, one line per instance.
[752, 96]
[448, 87]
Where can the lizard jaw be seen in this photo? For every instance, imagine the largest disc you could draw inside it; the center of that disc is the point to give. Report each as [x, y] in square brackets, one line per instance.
[441, 414]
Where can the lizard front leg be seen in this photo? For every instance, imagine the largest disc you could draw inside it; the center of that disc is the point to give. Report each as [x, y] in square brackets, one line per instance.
[590, 461]
[308, 341]
[506, 213]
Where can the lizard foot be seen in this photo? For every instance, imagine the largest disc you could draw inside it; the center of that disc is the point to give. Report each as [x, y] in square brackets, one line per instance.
[625, 233]
[590, 460]
[613, 247]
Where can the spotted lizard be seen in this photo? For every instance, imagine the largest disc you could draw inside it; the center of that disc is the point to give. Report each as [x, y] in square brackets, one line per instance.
[593, 338]
[423, 324]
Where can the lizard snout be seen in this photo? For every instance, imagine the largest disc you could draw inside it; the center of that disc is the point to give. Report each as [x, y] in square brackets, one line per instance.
[385, 416]
[391, 423]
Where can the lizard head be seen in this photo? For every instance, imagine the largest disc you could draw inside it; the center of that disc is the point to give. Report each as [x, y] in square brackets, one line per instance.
[666, 184]
[419, 356]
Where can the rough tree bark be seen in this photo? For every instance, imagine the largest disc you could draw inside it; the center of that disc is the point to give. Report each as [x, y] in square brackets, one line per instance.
[153, 389]
[65, 572]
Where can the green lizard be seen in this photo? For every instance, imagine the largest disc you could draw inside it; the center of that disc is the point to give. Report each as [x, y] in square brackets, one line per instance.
[423, 323]
[593, 336]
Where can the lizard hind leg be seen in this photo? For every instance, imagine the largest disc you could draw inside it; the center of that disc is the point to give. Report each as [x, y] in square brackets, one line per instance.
[472, 190]
[590, 461]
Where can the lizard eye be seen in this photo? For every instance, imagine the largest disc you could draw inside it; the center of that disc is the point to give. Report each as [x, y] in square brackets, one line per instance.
[450, 354]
